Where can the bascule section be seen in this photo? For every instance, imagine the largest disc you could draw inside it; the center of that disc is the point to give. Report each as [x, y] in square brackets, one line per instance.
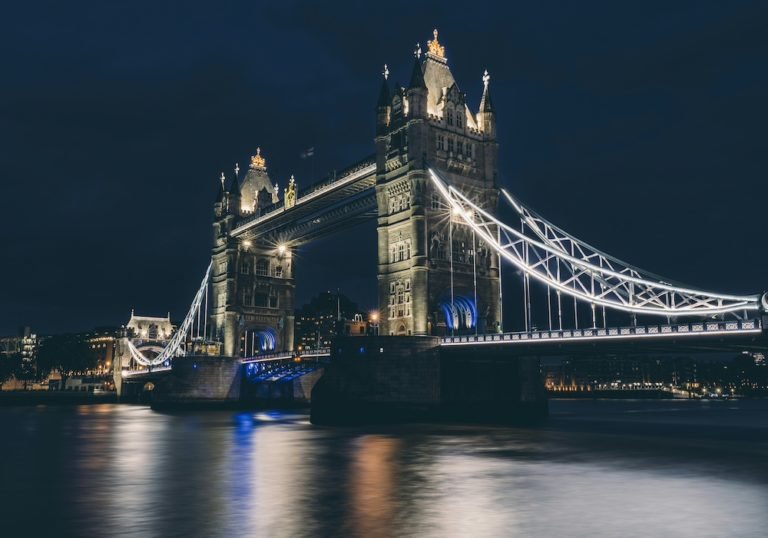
[252, 280]
[435, 275]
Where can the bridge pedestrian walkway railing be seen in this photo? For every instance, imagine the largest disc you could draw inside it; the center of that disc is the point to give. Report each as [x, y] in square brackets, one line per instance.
[288, 355]
[643, 331]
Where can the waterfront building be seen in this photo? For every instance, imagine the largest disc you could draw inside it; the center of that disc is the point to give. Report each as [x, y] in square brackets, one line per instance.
[325, 316]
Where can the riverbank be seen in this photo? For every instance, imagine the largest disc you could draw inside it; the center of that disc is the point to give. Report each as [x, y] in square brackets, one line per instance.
[42, 397]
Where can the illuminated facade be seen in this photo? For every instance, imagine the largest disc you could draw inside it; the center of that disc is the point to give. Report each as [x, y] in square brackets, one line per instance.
[252, 282]
[435, 276]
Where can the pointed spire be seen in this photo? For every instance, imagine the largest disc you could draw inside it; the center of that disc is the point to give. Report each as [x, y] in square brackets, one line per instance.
[234, 187]
[220, 191]
[384, 92]
[417, 76]
[485, 103]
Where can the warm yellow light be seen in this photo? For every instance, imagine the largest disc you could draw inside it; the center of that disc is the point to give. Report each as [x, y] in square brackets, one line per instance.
[247, 243]
[374, 317]
[456, 211]
[281, 249]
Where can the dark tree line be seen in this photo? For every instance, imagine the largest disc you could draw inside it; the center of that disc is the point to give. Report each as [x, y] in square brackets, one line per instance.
[65, 353]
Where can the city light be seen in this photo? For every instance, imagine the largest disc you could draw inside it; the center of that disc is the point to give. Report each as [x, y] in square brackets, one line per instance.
[281, 248]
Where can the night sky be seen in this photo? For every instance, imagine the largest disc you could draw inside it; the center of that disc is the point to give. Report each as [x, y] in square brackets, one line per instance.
[641, 130]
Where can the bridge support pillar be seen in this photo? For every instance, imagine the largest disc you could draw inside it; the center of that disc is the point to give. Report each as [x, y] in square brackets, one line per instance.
[411, 379]
[202, 380]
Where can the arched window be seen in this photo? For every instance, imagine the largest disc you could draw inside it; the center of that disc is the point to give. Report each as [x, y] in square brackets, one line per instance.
[459, 123]
[449, 116]
[400, 252]
[152, 332]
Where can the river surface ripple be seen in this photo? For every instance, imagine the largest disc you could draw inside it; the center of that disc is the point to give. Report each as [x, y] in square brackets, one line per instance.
[597, 469]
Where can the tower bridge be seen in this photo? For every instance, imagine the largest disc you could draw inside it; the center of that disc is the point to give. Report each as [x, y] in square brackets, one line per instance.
[433, 187]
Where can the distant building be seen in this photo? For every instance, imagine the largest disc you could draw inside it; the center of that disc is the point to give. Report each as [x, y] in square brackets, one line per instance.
[148, 334]
[149, 328]
[325, 316]
[102, 343]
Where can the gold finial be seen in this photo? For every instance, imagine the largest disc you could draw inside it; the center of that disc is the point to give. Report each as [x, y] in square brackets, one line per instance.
[435, 48]
[257, 161]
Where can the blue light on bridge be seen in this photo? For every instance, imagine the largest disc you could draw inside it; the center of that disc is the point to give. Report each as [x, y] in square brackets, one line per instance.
[267, 340]
[462, 314]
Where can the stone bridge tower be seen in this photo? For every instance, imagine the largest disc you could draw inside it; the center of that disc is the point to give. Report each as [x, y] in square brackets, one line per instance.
[252, 280]
[434, 276]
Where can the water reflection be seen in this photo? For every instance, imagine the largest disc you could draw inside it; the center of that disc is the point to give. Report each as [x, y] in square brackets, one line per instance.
[373, 485]
[598, 469]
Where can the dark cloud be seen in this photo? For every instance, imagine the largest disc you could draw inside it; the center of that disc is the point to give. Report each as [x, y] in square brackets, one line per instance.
[639, 128]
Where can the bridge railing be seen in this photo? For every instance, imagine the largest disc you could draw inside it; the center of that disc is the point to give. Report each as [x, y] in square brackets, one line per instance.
[288, 355]
[640, 331]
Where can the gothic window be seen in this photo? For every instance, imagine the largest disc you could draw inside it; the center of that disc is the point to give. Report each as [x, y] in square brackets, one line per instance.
[391, 287]
[459, 252]
[449, 116]
[247, 297]
[435, 201]
[400, 252]
[244, 267]
[279, 271]
[262, 267]
[458, 119]
[222, 267]
[272, 301]
[440, 142]
[450, 145]
[392, 254]
[261, 299]
[408, 249]
[152, 331]
[460, 147]
[408, 284]
[469, 150]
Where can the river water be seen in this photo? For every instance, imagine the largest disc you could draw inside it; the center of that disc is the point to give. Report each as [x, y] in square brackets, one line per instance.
[598, 468]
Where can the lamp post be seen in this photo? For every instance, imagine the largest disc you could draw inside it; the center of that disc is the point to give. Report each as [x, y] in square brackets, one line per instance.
[374, 320]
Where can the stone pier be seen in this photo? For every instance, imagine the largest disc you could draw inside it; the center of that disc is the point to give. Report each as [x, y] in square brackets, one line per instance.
[407, 379]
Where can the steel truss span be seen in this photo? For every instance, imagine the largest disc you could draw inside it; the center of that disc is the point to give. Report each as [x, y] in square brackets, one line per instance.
[197, 311]
[570, 266]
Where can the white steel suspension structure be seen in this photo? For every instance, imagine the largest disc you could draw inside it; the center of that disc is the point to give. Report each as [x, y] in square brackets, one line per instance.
[198, 310]
[556, 259]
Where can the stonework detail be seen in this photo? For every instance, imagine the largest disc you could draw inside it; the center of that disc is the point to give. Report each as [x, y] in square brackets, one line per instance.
[427, 257]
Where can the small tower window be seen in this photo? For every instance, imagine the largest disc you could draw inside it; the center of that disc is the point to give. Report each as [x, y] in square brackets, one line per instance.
[245, 268]
[440, 142]
[262, 267]
[460, 148]
[450, 145]
[449, 116]
[279, 271]
[458, 119]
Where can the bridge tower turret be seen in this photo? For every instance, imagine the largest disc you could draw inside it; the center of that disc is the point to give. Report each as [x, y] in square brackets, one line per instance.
[251, 278]
[434, 276]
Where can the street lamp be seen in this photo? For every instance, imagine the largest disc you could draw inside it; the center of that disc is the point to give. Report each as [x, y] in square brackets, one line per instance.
[374, 319]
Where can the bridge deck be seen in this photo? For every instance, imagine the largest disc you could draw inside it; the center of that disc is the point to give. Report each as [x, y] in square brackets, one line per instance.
[698, 336]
